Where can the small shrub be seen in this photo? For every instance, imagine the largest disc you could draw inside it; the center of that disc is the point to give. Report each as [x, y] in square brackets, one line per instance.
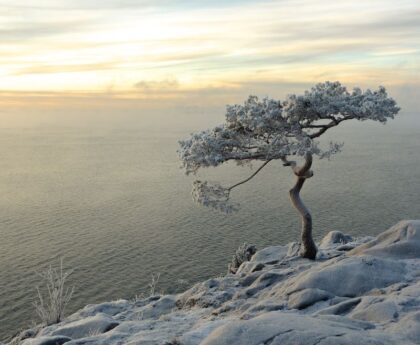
[243, 253]
[52, 301]
[153, 283]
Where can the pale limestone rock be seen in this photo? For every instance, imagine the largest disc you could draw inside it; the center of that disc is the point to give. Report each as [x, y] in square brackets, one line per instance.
[334, 238]
[402, 241]
[269, 255]
[45, 340]
[351, 299]
[84, 327]
[375, 309]
[307, 297]
[352, 276]
[286, 328]
[409, 326]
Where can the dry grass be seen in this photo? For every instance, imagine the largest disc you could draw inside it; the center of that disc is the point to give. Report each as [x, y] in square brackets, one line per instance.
[54, 296]
[153, 284]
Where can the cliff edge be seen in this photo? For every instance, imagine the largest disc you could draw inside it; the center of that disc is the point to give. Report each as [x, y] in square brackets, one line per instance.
[358, 291]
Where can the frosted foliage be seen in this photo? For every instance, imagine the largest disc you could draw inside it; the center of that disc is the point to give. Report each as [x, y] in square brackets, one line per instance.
[332, 100]
[333, 149]
[256, 130]
[215, 196]
[270, 129]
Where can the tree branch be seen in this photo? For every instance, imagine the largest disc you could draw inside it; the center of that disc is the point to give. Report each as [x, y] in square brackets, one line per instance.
[303, 171]
[324, 128]
[314, 126]
[250, 177]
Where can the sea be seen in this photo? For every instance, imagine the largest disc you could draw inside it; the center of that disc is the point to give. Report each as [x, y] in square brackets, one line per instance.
[112, 202]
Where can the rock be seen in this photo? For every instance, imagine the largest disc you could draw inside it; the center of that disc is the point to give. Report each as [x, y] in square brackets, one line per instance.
[263, 281]
[55, 340]
[249, 267]
[88, 326]
[374, 309]
[270, 255]
[278, 328]
[250, 278]
[402, 241]
[340, 308]
[356, 297]
[307, 297]
[409, 326]
[334, 238]
[350, 277]
[109, 308]
[411, 290]
[260, 330]
[105, 338]
[196, 335]
[346, 247]
[204, 296]
[263, 307]
[26, 334]
[293, 249]
[158, 308]
[207, 299]
[348, 322]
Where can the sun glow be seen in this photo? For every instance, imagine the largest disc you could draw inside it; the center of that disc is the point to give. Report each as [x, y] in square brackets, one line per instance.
[138, 50]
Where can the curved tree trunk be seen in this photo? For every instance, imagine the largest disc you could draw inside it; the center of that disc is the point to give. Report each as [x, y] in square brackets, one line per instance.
[309, 248]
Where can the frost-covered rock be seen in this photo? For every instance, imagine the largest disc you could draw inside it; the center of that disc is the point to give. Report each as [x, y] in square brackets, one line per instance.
[341, 308]
[55, 340]
[402, 241]
[270, 255]
[85, 327]
[277, 328]
[363, 296]
[158, 308]
[375, 309]
[334, 238]
[307, 297]
[109, 308]
[408, 325]
[350, 276]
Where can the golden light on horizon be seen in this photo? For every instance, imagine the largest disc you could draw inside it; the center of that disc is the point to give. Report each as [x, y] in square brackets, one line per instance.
[75, 46]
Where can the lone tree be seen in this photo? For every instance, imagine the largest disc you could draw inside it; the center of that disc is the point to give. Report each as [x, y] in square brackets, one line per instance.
[269, 129]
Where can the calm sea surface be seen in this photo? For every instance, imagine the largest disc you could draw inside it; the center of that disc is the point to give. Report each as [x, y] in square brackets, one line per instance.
[115, 205]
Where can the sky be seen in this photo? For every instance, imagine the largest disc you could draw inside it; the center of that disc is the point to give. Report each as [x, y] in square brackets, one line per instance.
[150, 53]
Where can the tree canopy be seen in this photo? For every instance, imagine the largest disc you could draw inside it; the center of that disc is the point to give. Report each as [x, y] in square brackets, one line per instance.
[267, 129]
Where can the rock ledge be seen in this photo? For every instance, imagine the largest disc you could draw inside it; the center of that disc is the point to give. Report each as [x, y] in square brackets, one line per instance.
[358, 291]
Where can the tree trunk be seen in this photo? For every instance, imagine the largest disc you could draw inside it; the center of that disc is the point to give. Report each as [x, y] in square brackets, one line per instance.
[309, 248]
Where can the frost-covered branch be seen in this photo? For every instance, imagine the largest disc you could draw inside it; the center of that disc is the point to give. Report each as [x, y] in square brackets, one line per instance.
[217, 196]
[267, 129]
[250, 177]
[213, 195]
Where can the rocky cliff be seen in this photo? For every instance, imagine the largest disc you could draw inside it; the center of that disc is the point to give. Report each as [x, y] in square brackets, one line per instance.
[358, 291]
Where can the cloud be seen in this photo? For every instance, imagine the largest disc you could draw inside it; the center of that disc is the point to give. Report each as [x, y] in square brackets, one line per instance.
[135, 45]
[26, 31]
[154, 86]
[119, 4]
[65, 68]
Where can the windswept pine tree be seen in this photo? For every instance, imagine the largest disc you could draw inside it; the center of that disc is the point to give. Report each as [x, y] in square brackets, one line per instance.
[267, 129]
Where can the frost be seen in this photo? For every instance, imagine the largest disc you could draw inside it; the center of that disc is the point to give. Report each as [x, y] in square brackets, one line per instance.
[214, 196]
[267, 129]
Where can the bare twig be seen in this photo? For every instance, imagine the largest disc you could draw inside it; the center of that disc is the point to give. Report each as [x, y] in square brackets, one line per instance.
[250, 177]
[153, 283]
[50, 308]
